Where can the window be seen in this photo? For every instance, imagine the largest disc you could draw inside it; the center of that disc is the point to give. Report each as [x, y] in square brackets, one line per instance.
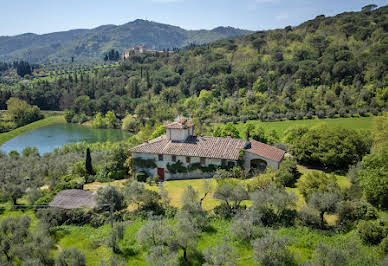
[203, 161]
[223, 162]
[173, 158]
[188, 159]
[160, 157]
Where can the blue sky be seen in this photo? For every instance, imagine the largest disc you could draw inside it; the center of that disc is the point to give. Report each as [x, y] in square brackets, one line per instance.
[44, 16]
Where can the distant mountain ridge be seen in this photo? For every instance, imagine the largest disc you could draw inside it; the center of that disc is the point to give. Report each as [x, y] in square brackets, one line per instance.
[87, 45]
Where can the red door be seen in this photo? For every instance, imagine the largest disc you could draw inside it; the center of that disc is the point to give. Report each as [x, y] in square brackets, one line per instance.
[161, 173]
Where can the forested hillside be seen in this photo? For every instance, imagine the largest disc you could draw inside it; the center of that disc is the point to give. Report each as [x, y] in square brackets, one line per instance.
[89, 45]
[329, 66]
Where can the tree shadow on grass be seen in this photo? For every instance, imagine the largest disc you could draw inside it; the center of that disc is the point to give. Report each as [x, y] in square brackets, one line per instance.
[128, 252]
[210, 229]
[58, 233]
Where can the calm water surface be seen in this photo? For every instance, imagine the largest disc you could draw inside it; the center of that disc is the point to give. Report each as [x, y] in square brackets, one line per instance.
[46, 139]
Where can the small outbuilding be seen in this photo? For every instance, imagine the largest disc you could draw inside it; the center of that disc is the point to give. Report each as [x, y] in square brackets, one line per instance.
[74, 198]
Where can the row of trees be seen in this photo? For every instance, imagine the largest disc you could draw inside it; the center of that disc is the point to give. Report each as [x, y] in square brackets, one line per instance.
[112, 55]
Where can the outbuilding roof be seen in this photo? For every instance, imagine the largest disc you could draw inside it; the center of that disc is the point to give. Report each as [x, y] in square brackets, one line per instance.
[209, 147]
[266, 151]
[73, 198]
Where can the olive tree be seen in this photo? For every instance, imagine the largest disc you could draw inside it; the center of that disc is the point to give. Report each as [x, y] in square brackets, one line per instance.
[324, 202]
[72, 257]
[232, 195]
[221, 254]
[110, 195]
[272, 250]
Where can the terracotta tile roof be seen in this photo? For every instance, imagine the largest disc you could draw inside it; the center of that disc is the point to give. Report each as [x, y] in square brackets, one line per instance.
[73, 198]
[208, 147]
[266, 151]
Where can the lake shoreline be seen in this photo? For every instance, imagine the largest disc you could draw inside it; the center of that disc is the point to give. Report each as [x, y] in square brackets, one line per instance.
[4, 137]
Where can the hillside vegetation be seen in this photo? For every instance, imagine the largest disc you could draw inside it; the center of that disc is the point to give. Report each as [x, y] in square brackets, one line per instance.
[89, 45]
[326, 67]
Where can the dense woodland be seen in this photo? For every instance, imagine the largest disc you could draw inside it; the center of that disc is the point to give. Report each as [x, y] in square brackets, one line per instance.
[327, 66]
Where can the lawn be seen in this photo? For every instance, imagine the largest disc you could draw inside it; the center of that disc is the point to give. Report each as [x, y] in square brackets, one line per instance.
[176, 188]
[4, 137]
[281, 126]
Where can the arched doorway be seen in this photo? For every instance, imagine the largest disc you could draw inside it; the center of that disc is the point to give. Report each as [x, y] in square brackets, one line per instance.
[258, 165]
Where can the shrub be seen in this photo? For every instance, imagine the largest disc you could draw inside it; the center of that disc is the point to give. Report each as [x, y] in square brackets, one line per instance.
[308, 217]
[384, 246]
[243, 229]
[371, 232]
[327, 255]
[71, 256]
[271, 250]
[288, 173]
[141, 177]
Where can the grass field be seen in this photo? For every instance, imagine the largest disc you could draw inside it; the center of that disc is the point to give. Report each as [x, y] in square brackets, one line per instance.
[281, 126]
[4, 137]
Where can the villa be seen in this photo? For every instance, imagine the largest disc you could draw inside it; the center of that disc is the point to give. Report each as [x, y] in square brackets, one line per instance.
[181, 155]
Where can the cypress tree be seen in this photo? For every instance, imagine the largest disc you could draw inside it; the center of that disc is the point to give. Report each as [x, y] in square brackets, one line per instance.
[88, 163]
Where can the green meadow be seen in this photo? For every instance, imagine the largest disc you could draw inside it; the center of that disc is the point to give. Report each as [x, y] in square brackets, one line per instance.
[281, 126]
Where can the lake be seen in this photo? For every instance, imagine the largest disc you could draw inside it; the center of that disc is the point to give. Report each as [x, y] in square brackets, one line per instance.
[47, 138]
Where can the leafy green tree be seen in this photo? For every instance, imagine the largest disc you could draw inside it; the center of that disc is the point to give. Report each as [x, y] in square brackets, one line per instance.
[373, 177]
[221, 254]
[272, 206]
[110, 195]
[232, 195]
[129, 123]
[317, 181]
[68, 114]
[192, 207]
[372, 232]
[99, 121]
[30, 151]
[185, 236]
[324, 202]
[72, 257]
[335, 148]
[145, 199]
[259, 85]
[272, 250]
[111, 119]
[227, 130]
[288, 173]
[21, 112]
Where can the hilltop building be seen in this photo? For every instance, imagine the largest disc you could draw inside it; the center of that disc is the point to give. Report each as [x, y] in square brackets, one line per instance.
[141, 49]
[179, 154]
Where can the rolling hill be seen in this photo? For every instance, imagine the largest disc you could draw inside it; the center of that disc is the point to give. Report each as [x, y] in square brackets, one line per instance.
[88, 45]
